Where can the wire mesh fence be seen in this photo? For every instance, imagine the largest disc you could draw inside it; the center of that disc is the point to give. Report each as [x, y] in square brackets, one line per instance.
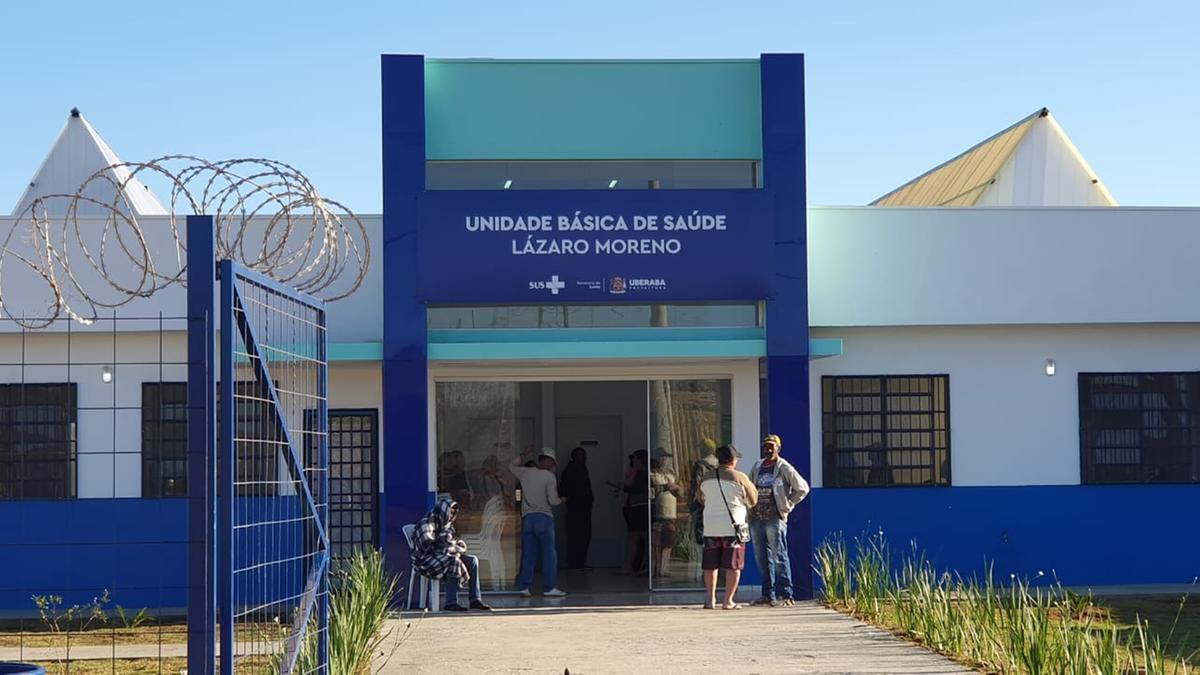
[277, 468]
[92, 517]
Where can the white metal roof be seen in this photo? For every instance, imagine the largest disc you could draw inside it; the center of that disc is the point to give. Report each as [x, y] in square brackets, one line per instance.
[77, 154]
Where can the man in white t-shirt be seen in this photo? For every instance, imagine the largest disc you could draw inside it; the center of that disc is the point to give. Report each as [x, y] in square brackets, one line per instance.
[539, 494]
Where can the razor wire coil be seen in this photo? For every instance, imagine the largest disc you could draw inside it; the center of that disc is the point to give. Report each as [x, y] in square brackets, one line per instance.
[268, 217]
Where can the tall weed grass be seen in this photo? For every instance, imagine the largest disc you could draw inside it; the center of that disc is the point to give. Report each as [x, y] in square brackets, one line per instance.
[361, 596]
[1019, 627]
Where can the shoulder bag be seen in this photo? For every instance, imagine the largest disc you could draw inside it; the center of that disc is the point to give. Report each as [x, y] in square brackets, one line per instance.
[741, 531]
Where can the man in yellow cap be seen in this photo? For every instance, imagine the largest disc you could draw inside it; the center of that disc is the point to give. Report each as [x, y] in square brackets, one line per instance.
[780, 488]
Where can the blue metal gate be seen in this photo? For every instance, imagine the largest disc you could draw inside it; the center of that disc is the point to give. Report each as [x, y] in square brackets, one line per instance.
[265, 551]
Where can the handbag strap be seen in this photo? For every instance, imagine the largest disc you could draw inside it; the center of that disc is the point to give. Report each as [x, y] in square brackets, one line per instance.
[717, 474]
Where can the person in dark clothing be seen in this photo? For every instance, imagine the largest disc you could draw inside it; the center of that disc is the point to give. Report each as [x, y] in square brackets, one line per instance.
[576, 485]
[637, 511]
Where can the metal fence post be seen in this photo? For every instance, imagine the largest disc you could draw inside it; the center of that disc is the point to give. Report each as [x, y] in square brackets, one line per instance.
[201, 484]
[226, 462]
[323, 490]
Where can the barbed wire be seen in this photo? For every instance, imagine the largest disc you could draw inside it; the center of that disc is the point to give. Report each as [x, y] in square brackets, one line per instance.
[268, 217]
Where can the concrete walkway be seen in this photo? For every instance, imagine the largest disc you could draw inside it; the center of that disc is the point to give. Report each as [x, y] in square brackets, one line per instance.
[806, 638]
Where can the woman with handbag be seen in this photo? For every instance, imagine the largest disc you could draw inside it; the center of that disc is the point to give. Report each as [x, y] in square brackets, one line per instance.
[727, 495]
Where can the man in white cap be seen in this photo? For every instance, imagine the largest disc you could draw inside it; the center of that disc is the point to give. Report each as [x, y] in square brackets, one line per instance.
[539, 496]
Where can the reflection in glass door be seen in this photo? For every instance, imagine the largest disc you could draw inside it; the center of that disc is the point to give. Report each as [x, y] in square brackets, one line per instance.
[688, 419]
[481, 428]
[642, 446]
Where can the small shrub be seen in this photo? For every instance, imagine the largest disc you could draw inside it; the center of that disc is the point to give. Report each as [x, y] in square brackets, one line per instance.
[74, 618]
[136, 621]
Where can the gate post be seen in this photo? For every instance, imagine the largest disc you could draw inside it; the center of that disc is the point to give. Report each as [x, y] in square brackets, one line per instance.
[226, 463]
[201, 421]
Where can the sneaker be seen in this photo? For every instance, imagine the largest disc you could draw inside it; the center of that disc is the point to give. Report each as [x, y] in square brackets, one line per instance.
[763, 601]
[478, 605]
[525, 593]
[454, 607]
[787, 602]
[554, 593]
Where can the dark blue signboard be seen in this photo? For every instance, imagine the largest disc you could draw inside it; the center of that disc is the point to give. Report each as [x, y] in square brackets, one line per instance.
[594, 246]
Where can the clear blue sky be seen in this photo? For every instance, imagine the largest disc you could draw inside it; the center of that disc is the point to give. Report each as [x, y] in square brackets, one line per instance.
[894, 88]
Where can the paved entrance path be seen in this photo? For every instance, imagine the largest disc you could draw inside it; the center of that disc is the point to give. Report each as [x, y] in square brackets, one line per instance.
[806, 638]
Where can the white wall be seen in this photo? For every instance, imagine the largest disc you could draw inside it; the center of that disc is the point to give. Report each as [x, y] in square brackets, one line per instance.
[1010, 424]
[109, 415]
[360, 385]
[963, 266]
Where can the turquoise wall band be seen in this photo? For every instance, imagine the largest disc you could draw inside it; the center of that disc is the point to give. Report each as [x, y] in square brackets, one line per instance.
[594, 334]
[522, 344]
[516, 110]
[492, 351]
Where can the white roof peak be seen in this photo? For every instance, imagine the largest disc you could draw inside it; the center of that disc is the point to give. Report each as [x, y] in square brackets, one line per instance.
[77, 154]
[1031, 163]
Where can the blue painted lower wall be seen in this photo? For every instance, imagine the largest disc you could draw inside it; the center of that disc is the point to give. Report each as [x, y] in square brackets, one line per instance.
[1086, 534]
[134, 548]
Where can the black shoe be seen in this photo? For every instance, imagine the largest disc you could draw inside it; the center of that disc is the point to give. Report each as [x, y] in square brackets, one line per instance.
[476, 604]
[454, 607]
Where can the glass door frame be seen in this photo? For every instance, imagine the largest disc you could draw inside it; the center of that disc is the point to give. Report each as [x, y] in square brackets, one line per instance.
[742, 374]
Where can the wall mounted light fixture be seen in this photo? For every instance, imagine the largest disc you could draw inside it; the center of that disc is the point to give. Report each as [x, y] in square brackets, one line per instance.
[1050, 367]
[106, 374]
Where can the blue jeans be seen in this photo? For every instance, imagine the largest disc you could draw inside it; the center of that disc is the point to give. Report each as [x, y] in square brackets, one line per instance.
[537, 533]
[771, 555]
[472, 564]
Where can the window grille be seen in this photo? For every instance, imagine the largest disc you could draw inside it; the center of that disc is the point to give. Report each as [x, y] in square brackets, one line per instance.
[164, 439]
[38, 440]
[885, 430]
[1139, 427]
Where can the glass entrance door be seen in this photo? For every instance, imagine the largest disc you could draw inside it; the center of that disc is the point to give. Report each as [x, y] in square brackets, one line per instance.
[628, 452]
[688, 420]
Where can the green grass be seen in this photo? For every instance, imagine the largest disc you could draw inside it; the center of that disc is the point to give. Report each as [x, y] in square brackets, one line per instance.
[41, 636]
[1175, 622]
[116, 667]
[1019, 627]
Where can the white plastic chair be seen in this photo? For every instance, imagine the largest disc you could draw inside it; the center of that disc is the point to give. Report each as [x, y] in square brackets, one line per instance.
[486, 544]
[433, 586]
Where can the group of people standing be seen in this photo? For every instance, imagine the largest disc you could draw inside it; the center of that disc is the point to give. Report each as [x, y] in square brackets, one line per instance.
[729, 509]
[739, 509]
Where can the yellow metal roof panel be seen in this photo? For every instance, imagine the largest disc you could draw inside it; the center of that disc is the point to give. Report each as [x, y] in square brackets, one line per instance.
[961, 180]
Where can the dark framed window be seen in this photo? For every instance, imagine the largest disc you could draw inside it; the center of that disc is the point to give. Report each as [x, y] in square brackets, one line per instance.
[1139, 427]
[259, 440]
[164, 439]
[38, 440]
[885, 430]
[353, 480]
